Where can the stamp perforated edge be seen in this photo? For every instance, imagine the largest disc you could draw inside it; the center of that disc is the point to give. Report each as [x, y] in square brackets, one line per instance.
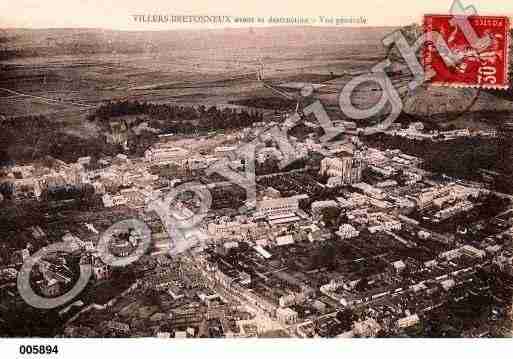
[507, 79]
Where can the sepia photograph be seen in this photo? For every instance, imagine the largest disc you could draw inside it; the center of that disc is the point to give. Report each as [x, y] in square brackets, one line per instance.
[260, 170]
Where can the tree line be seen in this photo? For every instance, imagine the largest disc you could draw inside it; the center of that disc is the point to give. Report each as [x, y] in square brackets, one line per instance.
[174, 118]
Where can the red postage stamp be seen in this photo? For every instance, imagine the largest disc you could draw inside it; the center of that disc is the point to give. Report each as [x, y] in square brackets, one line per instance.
[484, 66]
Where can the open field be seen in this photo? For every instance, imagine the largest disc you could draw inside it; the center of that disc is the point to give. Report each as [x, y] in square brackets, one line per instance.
[220, 65]
[65, 74]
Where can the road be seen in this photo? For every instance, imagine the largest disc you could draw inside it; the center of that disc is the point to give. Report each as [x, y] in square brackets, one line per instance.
[49, 100]
[262, 320]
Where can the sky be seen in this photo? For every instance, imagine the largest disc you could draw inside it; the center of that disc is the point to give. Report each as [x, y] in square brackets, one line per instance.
[117, 14]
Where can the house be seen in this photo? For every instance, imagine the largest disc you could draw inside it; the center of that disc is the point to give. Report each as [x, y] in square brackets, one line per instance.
[346, 231]
[49, 288]
[101, 270]
[399, 266]
[408, 321]
[286, 315]
[366, 328]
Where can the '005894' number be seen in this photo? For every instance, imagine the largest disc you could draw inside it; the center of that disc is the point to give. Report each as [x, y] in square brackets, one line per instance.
[39, 349]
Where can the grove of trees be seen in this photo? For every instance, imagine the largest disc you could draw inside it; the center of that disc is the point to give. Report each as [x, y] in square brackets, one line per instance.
[172, 118]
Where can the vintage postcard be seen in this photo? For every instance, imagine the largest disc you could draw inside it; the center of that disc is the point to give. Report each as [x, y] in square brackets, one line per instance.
[263, 169]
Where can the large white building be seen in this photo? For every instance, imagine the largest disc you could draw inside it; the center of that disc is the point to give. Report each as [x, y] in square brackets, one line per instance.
[347, 231]
[408, 321]
[453, 210]
[286, 315]
[438, 195]
[231, 228]
[380, 222]
[198, 163]
[165, 153]
[425, 198]
[348, 168]
[277, 206]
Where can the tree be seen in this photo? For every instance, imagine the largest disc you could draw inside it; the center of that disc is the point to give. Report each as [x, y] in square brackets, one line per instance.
[346, 317]
[330, 216]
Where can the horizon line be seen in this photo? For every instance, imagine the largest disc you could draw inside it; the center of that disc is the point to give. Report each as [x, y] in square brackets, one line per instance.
[206, 28]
